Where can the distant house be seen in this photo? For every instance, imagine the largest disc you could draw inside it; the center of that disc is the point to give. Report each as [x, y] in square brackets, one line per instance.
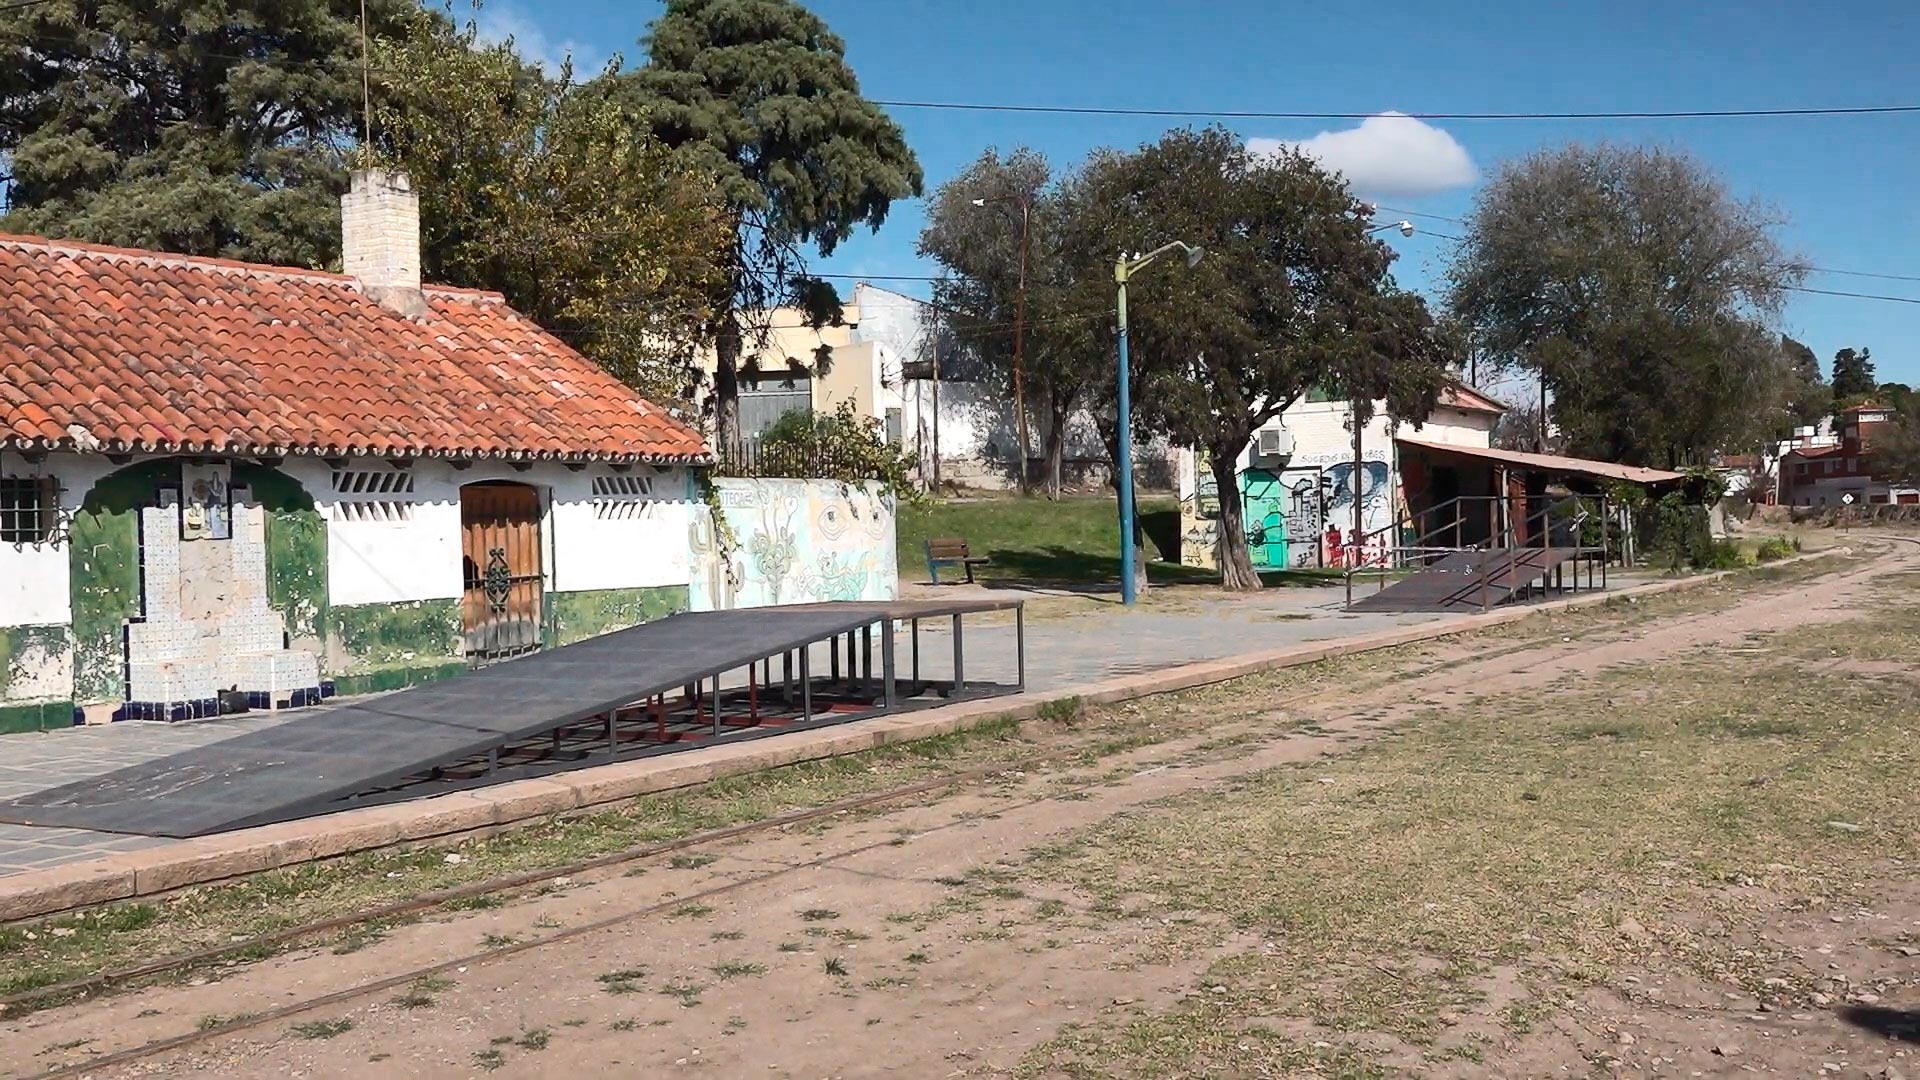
[226, 484]
[1823, 471]
[1297, 478]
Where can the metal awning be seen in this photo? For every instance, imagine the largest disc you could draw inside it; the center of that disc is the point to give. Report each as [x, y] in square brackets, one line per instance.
[1550, 463]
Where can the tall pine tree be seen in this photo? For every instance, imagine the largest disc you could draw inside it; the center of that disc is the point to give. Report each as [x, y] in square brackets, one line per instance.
[758, 94]
[210, 127]
[1852, 375]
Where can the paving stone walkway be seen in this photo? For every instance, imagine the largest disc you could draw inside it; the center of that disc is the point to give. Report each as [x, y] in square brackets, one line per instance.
[1071, 639]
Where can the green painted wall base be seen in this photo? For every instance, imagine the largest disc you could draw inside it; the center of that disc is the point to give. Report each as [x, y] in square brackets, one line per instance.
[396, 678]
[579, 615]
[46, 716]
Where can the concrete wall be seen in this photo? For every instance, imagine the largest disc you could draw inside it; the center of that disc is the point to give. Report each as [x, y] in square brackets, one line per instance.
[795, 541]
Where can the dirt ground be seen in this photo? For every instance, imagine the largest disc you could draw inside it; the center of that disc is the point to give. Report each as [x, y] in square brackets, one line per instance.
[1668, 839]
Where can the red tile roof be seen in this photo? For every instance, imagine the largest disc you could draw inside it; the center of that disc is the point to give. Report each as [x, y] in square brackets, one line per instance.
[124, 350]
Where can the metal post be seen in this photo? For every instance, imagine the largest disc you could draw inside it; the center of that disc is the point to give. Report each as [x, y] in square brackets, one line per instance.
[959, 660]
[866, 659]
[889, 697]
[1020, 643]
[833, 658]
[786, 678]
[806, 686]
[613, 741]
[716, 703]
[916, 655]
[1127, 589]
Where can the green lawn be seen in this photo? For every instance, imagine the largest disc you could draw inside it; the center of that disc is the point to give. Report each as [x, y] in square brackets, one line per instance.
[1073, 540]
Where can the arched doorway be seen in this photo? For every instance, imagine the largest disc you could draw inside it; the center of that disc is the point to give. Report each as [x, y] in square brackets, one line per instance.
[500, 539]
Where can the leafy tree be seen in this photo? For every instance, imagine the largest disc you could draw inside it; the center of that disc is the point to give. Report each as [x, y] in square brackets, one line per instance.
[1633, 284]
[758, 94]
[1809, 397]
[555, 194]
[1896, 451]
[1291, 294]
[1065, 356]
[1852, 376]
[1519, 429]
[210, 127]
[1899, 397]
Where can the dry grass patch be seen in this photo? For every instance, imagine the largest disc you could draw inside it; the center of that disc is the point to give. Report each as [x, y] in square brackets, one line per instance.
[1477, 871]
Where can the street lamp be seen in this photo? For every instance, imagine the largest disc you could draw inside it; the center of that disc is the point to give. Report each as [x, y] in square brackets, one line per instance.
[1358, 536]
[1025, 202]
[1123, 271]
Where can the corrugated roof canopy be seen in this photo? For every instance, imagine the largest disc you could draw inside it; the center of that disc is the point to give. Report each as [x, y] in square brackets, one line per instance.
[1553, 463]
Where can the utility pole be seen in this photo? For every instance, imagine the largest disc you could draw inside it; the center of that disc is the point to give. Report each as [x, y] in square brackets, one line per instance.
[1025, 202]
[1020, 347]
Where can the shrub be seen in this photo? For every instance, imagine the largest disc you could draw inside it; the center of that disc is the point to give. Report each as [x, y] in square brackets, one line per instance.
[842, 445]
[1776, 547]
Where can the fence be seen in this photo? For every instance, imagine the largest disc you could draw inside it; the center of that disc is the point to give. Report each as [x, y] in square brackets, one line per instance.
[758, 459]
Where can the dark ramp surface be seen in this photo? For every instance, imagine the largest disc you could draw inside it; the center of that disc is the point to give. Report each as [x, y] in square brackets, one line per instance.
[303, 766]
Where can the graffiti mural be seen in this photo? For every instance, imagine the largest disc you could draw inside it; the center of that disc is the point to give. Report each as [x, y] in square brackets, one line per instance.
[794, 542]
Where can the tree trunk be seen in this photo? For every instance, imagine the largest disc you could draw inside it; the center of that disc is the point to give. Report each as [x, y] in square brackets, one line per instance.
[726, 388]
[1056, 448]
[1230, 545]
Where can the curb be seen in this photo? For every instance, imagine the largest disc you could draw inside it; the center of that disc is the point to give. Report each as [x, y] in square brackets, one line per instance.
[207, 859]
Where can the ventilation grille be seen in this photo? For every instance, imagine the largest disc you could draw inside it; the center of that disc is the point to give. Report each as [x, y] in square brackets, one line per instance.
[613, 487]
[622, 497]
[373, 510]
[372, 482]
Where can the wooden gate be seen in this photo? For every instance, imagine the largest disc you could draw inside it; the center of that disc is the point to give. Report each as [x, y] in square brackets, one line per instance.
[500, 535]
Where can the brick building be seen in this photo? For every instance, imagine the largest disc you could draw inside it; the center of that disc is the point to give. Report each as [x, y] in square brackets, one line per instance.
[1822, 475]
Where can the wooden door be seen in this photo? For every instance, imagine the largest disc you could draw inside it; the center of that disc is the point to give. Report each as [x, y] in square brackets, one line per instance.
[500, 537]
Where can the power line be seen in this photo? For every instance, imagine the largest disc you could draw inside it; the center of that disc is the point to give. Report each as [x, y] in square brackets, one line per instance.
[1810, 269]
[1222, 114]
[23, 5]
[1856, 295]
[1230, 114]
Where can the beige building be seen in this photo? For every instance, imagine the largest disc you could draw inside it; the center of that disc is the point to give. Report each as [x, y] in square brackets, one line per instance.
[792, 373]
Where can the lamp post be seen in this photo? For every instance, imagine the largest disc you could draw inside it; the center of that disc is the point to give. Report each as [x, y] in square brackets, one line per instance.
[1357, 538]
[1025, 203]
[1123, 271]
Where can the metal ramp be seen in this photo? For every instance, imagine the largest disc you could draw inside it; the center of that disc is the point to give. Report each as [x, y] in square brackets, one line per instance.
[663, 686]
[1471, 580]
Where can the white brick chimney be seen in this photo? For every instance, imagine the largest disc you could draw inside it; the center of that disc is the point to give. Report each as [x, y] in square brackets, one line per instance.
[380, 238]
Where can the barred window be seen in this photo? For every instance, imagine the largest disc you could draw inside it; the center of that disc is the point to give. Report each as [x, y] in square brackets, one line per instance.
[29, 508]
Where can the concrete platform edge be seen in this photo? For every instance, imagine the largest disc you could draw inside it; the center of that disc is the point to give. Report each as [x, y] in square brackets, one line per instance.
[441, 818]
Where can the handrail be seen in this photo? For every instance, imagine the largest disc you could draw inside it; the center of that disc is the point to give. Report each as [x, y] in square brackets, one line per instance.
[1394, 558]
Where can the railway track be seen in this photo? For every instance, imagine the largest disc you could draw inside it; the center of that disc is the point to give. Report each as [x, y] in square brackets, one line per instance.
[184, 962]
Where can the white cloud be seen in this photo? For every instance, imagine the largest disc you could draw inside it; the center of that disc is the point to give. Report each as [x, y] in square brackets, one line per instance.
[498, 20]
[1391, 154]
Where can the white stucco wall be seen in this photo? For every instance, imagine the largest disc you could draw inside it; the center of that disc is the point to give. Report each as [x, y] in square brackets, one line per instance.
[35, 579]
[33, 585]
[636, 541]
[592, 541]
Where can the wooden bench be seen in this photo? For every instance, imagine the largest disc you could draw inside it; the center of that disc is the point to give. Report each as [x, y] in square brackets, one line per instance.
[951, 550]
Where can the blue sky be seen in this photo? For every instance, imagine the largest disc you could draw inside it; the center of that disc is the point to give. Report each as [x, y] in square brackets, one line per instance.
[1848, 187]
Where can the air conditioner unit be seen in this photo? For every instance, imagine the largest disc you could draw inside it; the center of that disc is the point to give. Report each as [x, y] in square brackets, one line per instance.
[1273, 442]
